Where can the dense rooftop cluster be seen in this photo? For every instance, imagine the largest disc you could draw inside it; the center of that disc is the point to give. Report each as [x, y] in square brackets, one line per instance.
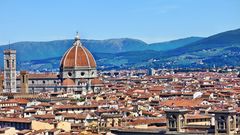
[130, 102]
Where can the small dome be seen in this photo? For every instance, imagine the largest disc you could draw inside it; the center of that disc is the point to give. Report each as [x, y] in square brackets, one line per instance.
[78, 56]
[68, 82]
[96, 81]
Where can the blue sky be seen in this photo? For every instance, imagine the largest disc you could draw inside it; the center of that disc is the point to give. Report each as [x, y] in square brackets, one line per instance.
[148, 20]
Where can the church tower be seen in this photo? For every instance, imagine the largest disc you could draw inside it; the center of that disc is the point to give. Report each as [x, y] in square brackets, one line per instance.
[24, 82]
[10, 71]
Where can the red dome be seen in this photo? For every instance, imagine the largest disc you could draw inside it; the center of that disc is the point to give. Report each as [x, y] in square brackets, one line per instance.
[68, 82]
[78, 56]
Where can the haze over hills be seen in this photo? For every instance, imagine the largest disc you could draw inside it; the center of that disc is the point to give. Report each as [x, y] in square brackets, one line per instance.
[37, 50]
[220, 49]
[225, 39]
[165, 46]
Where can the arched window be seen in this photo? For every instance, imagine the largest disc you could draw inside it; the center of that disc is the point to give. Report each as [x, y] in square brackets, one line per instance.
[231, 122]
[69, 74]
[8, 64]
[13, 64]
[221, 123]
[172, 121]
[182, 120]
[82, 73]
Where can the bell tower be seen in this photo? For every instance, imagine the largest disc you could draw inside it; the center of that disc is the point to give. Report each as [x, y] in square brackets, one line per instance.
[176, 119]
[24, 82]
[10, 71]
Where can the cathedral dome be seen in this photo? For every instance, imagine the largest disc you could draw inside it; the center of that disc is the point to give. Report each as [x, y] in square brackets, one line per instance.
[78, 56]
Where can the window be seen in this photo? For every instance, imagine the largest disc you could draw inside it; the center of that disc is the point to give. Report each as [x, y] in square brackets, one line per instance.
[44, 82]
[82, 73]
[8, 75]
[8, 64]
[13, 64]
[23, 79]
[69, 74]
[221, 123]
[231, 122]
[172, 121]
[237, 121]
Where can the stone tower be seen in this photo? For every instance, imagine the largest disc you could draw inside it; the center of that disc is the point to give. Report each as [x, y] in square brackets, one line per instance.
[10, 71]
[225, 122]
[1, 83]
[176, 119]
[24, 82]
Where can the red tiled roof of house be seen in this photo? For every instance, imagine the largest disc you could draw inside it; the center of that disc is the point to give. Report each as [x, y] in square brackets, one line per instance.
[18, 120]
[19, 100]
[182, 102]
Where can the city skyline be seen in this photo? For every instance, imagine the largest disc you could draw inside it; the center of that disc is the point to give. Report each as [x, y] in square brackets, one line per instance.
[150, 21]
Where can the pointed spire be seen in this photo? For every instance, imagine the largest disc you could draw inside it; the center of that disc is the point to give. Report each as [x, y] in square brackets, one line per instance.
[77, 39]
[77, 36]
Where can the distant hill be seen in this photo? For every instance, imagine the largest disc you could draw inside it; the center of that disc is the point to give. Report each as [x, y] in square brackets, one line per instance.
[165, 46]
[27, 51]
[220, 49]
[224, 39]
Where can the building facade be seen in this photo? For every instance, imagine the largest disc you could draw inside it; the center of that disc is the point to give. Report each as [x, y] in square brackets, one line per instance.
[77, 74]
[10, 71]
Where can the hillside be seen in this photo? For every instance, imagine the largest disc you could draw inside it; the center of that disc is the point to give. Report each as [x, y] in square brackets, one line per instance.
[27, 51]
[220, 49]
[165, 46]
[224, 39]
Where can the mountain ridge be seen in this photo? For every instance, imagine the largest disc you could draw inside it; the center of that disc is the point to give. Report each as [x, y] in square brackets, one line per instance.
[219, 49]
[28, 50]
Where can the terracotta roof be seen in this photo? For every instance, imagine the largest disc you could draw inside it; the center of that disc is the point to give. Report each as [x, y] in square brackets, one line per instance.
[18, 120]
[68, 82]
[182, 102]
[46, 116]
[19, 100]
[41, 75]
[96, 81]
[75, 106]
[140, 121]
[156, 88]
[74, 116]
[78, 56]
